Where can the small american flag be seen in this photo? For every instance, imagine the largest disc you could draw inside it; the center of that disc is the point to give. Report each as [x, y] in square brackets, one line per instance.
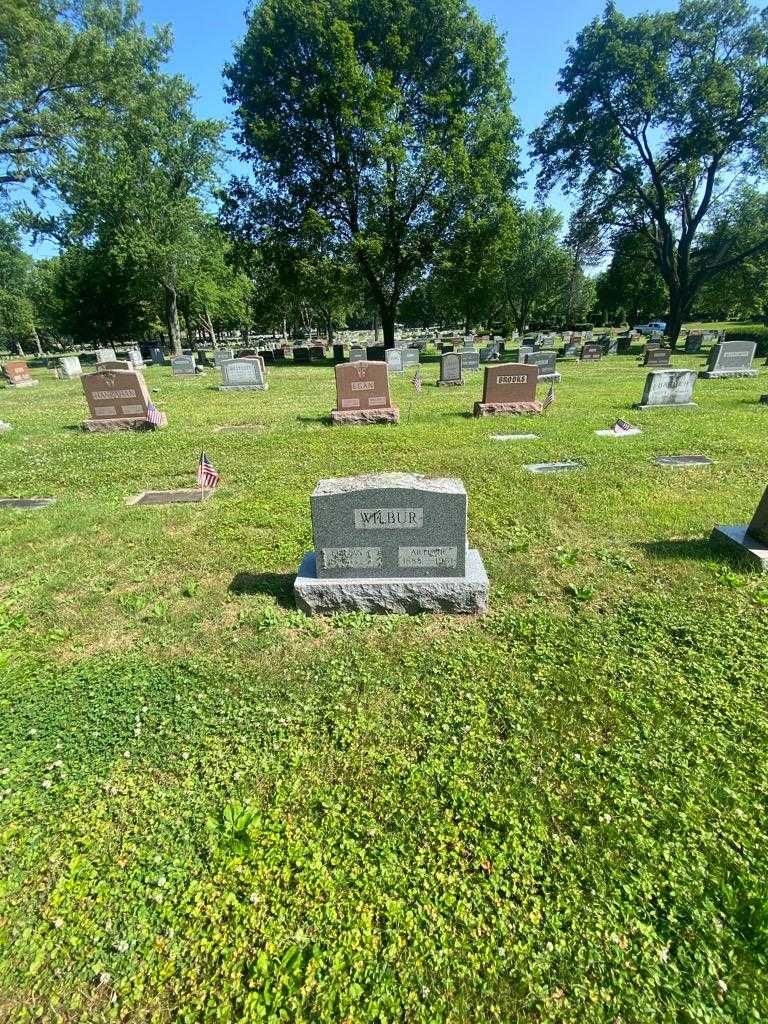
[622, 427]
[207, 476]
[549, 399]
[154, 416]
[417, 382]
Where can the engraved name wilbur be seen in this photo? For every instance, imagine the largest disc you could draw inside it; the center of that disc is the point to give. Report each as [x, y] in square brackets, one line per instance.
[389, 518]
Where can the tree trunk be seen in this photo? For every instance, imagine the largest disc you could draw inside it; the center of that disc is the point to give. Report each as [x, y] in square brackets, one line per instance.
[36, 339]
[388, 326]
[209, 329]
[376, 328]
[20, 351]
[329, 329]
[675, 319]
[172, 319]
[244, 335]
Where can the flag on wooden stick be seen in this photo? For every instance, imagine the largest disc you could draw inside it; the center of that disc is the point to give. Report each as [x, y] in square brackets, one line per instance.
[207, 476]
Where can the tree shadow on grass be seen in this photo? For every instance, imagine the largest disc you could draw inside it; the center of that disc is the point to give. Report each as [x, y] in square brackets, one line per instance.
[271, 584]
[698, 549]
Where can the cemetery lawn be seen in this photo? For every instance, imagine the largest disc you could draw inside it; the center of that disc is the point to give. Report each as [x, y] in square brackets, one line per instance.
[215, 809]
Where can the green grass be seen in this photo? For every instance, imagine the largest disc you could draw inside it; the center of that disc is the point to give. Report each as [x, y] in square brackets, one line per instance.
[215, 809]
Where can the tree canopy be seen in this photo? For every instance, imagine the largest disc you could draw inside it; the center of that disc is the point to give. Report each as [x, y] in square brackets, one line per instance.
[660, 113]
[385, 120]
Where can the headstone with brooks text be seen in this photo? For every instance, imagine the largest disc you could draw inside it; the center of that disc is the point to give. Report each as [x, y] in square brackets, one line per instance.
[391, 543]
[509, 390]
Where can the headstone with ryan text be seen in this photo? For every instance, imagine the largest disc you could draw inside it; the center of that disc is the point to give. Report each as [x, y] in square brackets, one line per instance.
[391, 543]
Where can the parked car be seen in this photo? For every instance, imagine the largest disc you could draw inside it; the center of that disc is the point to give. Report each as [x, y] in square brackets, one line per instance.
[654, 327]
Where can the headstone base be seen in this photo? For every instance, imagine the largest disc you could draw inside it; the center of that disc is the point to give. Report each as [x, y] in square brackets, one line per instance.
[738, 541]
[670, 405]
[483, 409]
[22, 384]
[362, 417]
[718, 374]
[110, 426]
[243, 387]
[454, 595]
[450, 383]
[553, 377]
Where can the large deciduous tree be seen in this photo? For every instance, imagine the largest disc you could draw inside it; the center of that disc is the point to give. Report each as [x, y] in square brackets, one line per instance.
[135, 188]
[63, 63]
[661, 112]
[385, 119]
[534, 266]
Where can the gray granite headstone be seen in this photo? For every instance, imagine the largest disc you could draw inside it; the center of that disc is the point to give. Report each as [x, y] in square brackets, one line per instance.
[357, 354]
[242, 375]
[394, 360]
[391, 542]
[410, 357]
[470, 361]
[668, 388]
[135, 359]
[221, 355]
[731, 359]
[546, 362]
[693, 343]
[183, 366]
[158, 356]
[70, 368]
[450, 369]
[105, 355]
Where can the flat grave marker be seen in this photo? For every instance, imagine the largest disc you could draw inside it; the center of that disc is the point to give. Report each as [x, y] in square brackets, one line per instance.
[182, 497]
[26, 504]
[683, 461]
[554, 467]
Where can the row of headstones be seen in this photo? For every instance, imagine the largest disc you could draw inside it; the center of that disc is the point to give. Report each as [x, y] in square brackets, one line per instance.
[363, 395]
